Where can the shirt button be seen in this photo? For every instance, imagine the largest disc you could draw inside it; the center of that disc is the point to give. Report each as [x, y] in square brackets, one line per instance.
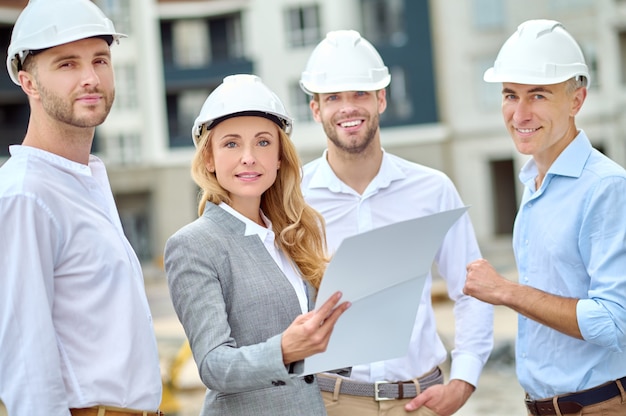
[309, 379]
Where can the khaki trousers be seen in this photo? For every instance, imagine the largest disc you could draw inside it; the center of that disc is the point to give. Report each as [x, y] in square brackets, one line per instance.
[347, 405]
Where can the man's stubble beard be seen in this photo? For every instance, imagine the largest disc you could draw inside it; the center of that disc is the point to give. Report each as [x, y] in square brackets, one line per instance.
[359, 147]
[62, 109]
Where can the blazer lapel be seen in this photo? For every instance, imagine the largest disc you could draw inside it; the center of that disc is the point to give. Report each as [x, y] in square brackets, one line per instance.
[274, 276]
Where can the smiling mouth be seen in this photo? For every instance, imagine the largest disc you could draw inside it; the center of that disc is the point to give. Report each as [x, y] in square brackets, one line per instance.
[526, 131]
[353, 123]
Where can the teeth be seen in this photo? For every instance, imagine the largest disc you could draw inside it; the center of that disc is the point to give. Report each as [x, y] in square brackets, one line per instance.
[526, 130]
[351, 123]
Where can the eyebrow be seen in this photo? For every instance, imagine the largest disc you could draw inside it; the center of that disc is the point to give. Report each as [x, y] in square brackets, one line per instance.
[98, 54]
[237, 135]
[531, 91]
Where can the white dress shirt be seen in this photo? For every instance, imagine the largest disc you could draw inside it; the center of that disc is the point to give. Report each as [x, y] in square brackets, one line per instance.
[267, 236]
[75, 325]
[400, 191]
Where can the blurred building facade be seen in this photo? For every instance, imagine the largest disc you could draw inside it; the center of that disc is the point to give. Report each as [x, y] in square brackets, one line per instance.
[440, 112]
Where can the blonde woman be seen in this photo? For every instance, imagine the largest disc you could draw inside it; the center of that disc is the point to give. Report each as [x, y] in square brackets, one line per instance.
[243, 276]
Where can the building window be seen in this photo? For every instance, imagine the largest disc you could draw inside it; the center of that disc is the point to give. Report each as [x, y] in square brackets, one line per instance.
[488, 94]
[299, 103]
[488, 14]
[125, 87]
[13, 123]
[119, 13]
[190, 42]
[226, 38]
[182, 110]
[504, 195]
[622, 56]
[303, 26]
[122, 148]
[399, 105]
[384, 22]
[134, 212]
[195, 43]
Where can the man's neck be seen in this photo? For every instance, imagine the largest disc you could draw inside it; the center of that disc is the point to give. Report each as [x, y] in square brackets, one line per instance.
[71, 143]
[356, 170]
[544, 160]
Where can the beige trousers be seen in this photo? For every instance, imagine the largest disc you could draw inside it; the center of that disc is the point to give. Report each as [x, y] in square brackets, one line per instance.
[347, 405]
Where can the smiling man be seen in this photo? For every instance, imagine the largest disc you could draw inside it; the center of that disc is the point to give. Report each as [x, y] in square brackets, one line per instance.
[76, 334]
[357, 186]
[569, 236]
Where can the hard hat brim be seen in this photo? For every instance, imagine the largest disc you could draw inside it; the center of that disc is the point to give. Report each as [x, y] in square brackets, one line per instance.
[492, 76]
[312, 88]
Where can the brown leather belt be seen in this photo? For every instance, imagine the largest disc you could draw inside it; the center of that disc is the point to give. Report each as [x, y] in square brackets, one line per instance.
[111, 411]
[380, 390]
[573, 403]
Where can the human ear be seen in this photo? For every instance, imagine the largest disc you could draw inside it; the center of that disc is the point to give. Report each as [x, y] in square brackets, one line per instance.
[577, 100]
[314, 105]
[381, 97]
[28, 83]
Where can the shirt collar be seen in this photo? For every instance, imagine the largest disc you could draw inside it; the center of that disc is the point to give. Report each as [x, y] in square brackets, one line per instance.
[325, 177]
[54, 159]
[252, 227]
[570, 162]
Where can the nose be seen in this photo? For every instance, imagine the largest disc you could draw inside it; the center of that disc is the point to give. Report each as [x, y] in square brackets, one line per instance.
[522, 112]
[247, 157]
[348, 105]
[89, 76]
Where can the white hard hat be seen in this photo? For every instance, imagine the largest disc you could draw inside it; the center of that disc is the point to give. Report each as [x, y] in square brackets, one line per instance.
[47, 23]
[344, 61]
[240, 95]
[540, 52]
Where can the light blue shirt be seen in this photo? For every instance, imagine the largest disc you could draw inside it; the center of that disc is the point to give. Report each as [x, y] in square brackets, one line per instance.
[570, 240]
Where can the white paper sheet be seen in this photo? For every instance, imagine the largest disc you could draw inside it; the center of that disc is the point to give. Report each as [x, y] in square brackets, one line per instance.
[382, 272]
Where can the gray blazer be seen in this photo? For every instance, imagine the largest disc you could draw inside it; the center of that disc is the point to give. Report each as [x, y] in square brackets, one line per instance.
[234, 302]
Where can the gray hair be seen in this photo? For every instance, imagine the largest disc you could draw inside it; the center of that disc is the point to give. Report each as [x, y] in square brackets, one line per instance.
[575, 83]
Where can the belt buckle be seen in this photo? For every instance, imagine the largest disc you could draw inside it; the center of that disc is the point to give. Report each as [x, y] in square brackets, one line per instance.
[376, 391]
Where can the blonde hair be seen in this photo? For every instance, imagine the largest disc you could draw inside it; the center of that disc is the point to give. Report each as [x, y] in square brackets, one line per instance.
[300, 230]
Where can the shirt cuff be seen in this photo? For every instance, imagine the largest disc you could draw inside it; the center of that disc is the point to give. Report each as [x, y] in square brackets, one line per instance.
[467, 368]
